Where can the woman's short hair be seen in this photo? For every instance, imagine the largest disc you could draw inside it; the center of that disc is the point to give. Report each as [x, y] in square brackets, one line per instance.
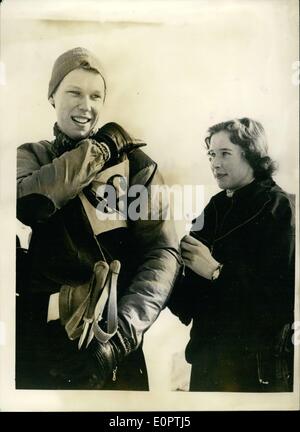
[251, 137]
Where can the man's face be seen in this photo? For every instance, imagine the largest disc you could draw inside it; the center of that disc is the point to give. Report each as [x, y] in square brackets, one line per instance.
[78, 101]
[230, 168]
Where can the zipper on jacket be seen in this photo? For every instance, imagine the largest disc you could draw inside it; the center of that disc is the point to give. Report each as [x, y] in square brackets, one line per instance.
[260, 370]
[114, 374]
[183, 269]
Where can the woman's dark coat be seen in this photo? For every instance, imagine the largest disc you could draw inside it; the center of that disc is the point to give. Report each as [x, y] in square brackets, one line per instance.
[252, 234]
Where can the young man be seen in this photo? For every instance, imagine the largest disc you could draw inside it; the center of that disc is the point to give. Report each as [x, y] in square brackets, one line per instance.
[75, 255]
[239, 282]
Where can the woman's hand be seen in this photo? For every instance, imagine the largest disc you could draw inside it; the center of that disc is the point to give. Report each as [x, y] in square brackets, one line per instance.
[197, 257]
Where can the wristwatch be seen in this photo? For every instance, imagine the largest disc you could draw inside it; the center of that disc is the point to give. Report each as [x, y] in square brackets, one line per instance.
[216, 273]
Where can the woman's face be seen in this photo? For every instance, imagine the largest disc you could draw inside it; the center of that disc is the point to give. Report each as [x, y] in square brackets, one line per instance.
[230, 168]
[78, 101]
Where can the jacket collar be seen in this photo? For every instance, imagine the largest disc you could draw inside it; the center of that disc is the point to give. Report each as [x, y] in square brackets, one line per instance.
[142, 168]
[256, 191]
[246, 204]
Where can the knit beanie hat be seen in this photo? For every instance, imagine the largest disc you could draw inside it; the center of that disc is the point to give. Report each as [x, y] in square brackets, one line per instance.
[70, 60]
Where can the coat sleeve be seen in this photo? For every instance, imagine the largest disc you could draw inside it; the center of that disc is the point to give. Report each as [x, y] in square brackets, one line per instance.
[151, 287]
[190, 288]
[43, 186]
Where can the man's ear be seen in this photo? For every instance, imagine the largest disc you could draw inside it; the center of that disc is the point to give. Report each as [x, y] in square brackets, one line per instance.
[51, 100]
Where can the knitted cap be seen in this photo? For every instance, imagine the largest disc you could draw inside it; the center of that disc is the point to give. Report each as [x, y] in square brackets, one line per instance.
[70, 60]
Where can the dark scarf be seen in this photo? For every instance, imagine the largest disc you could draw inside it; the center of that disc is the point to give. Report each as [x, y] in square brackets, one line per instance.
[62, 142]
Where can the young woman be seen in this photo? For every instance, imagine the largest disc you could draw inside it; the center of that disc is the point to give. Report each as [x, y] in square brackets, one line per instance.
[239, 281]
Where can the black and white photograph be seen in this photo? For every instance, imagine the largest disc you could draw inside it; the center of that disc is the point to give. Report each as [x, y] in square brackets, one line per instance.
[149, 198]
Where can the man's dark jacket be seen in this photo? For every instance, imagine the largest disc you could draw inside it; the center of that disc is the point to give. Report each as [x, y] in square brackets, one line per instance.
[63, 247]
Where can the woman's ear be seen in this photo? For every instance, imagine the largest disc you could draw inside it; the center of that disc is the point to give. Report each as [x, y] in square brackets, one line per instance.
[243, 153]
[51, 100]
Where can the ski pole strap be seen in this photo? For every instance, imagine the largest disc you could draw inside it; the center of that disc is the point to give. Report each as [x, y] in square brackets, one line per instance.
[109, 295]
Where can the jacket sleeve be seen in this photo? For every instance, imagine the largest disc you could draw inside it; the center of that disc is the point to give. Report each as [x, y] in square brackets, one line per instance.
[43, 186]
[150, 288]
[190, 288]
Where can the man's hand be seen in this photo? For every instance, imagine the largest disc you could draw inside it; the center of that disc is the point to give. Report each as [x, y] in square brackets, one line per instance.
[197, 257]
[76, 369]
[93, 367]
[117, 140]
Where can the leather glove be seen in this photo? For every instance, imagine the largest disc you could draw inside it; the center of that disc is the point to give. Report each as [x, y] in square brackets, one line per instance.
[74, 369]
[110, 354]
[94, 367]
[78, 303]
[118, 141]
[70, 297]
